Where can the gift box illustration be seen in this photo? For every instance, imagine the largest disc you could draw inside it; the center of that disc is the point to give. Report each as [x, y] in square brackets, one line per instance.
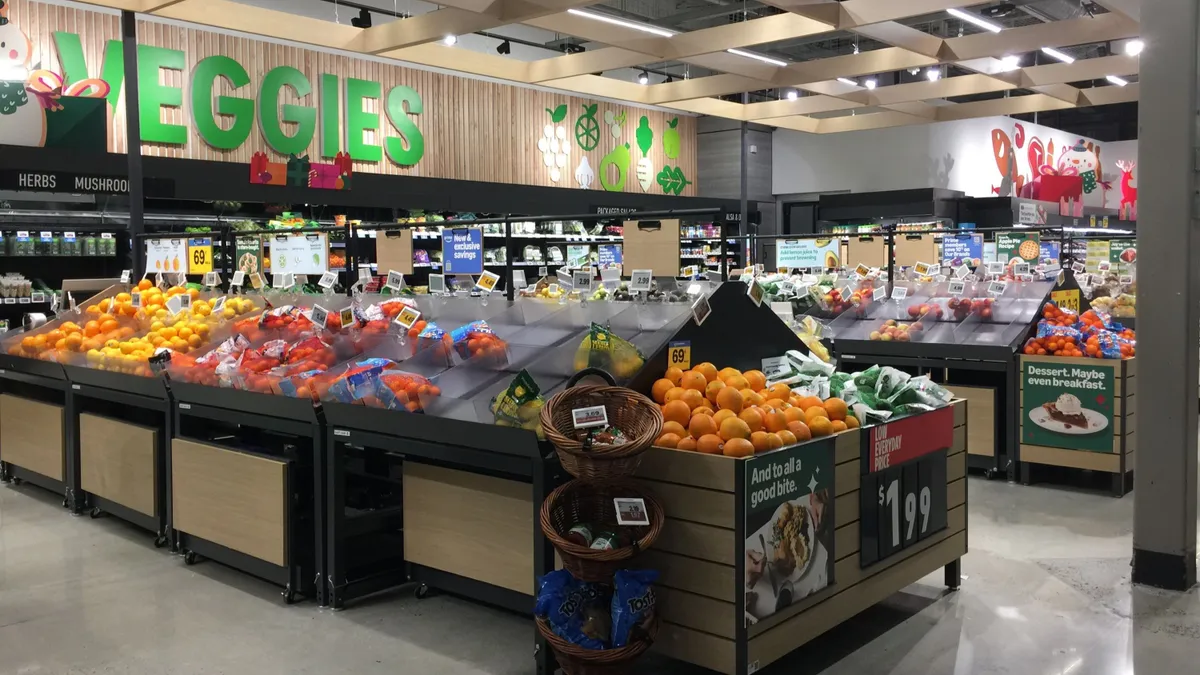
[298, 171]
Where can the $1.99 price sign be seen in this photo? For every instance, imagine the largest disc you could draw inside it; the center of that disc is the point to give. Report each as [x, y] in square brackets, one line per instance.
[679, 355]
[903, 483]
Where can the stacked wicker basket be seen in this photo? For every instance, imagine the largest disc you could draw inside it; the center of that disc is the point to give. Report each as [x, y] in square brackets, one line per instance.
[602, 473]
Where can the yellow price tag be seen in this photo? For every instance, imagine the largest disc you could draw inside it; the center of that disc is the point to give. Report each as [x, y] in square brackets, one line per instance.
[487, 281]
[1068, 299]
[679, 355]
[199, 255]
[408, 316]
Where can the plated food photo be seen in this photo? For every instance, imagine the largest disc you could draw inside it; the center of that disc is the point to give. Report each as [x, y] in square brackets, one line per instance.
[1066, 415]
[785, 561]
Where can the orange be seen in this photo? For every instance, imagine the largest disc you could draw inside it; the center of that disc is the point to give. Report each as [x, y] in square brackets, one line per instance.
[751, 397]
[738, 447]
[708, 370]
[714, 387]
[91, 328]
[755, 379]
[729, 398]
[727, 373]
[775, 421]
[838, 426]
[61, 344]
[814, 412]
[710, 444]
[195, 294]
[775, 403]
[688, 443]
[851, 422]
[780, 390]
[109, 325]
[703, 410]
[794, 401]
[677, 411]
[759, 440]
[693, 380]
[787, 437]
[820, 426]
[674, 375]
[55, 335]
[144, 285]
[667, 441]
[794, 415]
[734, 428]
[836, 408]
[752, 418]
[807, 402]
[722, 415]
[800, 430]
[658, 392]
[737, 382]
[693, 398]
[674, 428]
[674, 393]
[774, 441]
[701, 425]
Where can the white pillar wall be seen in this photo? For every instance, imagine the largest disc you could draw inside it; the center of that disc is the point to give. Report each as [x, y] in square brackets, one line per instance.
[1164, 528]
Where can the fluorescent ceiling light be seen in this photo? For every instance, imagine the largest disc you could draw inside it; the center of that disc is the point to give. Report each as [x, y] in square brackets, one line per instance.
[757, 57]
[653, 30]
[792, 95]
[975, 19]
[933, 74]
[450, 40]
[1011, 62]
[1134, 47]
[846, 80]
[870, 84]
[1051, 51]
[1119, 81]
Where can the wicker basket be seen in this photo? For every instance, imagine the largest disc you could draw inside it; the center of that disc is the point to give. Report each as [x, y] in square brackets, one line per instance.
[634, 414]
[576, 660]
[591, 501]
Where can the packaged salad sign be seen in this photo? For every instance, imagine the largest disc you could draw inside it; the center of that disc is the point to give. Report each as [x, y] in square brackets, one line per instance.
[1067, 403]
[789, 526]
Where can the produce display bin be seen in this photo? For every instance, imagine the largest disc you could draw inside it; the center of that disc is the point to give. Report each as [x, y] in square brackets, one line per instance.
[121, 467]
[35, 438]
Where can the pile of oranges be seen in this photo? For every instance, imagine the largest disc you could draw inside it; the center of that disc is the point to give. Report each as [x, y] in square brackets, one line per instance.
[736, 414]
[71, 337]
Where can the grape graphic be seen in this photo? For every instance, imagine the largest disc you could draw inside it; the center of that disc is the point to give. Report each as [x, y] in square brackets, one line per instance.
[553, 144]
[587, 129]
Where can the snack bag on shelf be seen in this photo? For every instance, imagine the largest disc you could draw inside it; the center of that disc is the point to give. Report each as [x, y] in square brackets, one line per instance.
[577, 611]
[601, 348]
[520, 405]
[632, 604]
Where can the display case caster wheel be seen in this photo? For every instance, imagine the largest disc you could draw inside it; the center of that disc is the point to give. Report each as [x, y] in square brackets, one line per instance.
[189, 557]
[423, 592]
[95, 513]
[289, 595]
[160, 541]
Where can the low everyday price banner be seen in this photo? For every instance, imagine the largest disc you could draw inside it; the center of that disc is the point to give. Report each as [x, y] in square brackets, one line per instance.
[1067, 404]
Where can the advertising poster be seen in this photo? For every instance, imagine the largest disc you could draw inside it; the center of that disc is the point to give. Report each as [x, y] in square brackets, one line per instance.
[610, 255]
[1051, 252]
[299, 254]
[1025, 246]
[1122, 251]
[462, 250]
[807, 253]
[248, 255]
[962, 249]
[166, 255]
[789, 526]
[1067, 405]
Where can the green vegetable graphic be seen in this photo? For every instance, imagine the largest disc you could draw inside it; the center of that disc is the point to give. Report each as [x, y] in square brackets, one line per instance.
[317, 258]
[587, 129]
[672, 180]
[645, 135]
[618, 158]
[671, 140]
[558, 114]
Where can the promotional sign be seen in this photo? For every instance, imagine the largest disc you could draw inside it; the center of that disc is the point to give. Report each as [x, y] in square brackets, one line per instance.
[1122, 251]
[300, 253]
[902, 491]
[789, 526]
[248, 255]
[792, 253]
[577, 255]
[962, 249]
[679, 354]
[1067, 404]
[1052, 251]
[462, 250]
[200, 253]
[166, 255]
[1022, 245]
[610, 255]
[1066, 299]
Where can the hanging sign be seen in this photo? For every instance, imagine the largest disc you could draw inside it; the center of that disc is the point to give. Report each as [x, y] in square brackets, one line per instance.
[610, 255]
[300, 253]
[962, 249]
[166, 255]
[248, 255]
[808, 253]
[462, 250]
[199, 255]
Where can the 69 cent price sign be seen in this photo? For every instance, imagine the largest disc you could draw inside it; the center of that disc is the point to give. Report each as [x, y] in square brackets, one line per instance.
[902, 489]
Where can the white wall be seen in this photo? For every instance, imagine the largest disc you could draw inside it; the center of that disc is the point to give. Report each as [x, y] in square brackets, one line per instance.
[954, 155]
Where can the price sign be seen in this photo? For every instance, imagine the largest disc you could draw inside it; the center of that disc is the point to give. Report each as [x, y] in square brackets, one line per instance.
[126, 275]
[218, 305]
[136, 300]
[862, 271]
[1021, 268]
[1066, 299]
[879, 293]
[995, 268]
[899, 292]
[962, 272]
[679, 355]
[175, 303]
[903, 483]
[956, 288]
[775, 367]
[347, 317]
[257, 281]
[23, 301]
[755, 292]
[320, 315]
[408, 316]
[641, 280]
[39, 296]
[185, 301]
[437, 283]
[1125, 279]
[395, 280]
[1078, 267]
[924, 269]
[582, 279]
[212, 279]
[327, 281]
[542, 272]
[1104, 265]
[997, 288]
[487, 281]
[701, 309]
[593, 416]
[167, 255]
[279, 281]
[239, 279]
[199, 255]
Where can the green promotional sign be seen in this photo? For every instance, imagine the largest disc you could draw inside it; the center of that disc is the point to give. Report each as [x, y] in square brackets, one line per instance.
[1122, 251]
[1023, 245]
[1067, 404]
[248, 256]
[789, 526]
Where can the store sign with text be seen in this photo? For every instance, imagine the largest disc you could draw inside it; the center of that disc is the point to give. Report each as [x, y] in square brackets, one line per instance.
[1067, 404]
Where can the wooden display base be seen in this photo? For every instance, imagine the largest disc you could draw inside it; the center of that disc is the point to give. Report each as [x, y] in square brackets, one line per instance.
[1119, 462]
[701, 553]
[119, 462]
[31, 436]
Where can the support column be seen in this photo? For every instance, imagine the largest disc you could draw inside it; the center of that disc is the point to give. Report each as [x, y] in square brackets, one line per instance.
[133, 135]
[1164, 528]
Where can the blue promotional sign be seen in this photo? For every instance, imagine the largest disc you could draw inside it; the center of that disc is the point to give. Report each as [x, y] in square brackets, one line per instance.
[1052, 251]
[962, 249]
[610, 254]
[462, 250]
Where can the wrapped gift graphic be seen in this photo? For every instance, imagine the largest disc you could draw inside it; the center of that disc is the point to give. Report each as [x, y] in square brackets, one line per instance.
[300, 172]
[264, 172]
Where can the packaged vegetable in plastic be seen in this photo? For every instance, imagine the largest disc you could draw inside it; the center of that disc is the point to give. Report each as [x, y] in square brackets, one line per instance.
[632, 604]
[577, 611]
[867, 379]
[838, 382]
[890, 382]
[920, 390]
[359, 380]
[433, 337]
[520, 405]
[601, 348]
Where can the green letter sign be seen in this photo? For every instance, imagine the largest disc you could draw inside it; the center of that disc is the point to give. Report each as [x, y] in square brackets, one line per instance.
[398, 98]
[331, 115]
[204, 78]
[154, 96]
[358, 121]
[303, 117]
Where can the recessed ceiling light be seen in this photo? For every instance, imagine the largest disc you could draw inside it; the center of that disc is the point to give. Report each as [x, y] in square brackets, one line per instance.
[975, 19]
[846, 80]
[1134, 47]
[450, 40]
[870, 84]
[1051, 51]
[1119, 81]
[644, 78]
[653, 30]
[1011, 62]
[793, 94]
[933, 74]
[757, 57]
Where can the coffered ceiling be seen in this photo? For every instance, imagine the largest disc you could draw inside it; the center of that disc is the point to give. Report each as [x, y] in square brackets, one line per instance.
[819, 66]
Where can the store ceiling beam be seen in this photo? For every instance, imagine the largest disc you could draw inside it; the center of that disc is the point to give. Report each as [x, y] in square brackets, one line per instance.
[805, 105]
[1013, 105]
[1066, 33]
[852, 65]
[1083, 69]
[462, 60]
[1108, 95]
[898, 35]
[851, 13]
[795, 123]
[260, 21]
[585, 63]
[1130, 8]
[1063, 92]
[880, 120]
[700, 87]
[605, 87]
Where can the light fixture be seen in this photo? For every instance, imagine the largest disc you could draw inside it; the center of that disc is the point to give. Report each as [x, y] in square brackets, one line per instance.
[1011, 62]
[846, 80]
[933, 74]
[1134, 47]
[504, 47]
[363, 20]
[1051, 51]
[644, 78]
[669, 79]
[757, 57]
[595, 16]
[975, 19]
[1119, 81]
[450, 40]
[870, 83]
[913, 71]
[792, 95]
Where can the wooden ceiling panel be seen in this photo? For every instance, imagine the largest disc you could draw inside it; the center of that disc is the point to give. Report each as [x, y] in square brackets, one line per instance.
[1032, 38]
[701, 87]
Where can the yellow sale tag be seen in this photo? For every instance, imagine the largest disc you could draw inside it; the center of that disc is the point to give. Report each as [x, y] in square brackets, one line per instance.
[1066, 299]
[200, 256]
[408, 316]
[487, 281]
[679, 355]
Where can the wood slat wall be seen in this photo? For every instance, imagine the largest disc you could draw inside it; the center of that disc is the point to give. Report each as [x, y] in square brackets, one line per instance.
[474, 130]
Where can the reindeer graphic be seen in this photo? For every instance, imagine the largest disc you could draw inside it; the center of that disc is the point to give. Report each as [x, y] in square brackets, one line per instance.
[1128, 209]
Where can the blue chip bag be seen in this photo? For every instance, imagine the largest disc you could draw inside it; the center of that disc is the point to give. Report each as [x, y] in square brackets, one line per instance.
[1047, 329]
[632, 604]
[577, 611]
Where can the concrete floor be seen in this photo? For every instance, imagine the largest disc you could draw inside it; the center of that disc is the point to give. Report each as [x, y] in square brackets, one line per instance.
[1046, 590]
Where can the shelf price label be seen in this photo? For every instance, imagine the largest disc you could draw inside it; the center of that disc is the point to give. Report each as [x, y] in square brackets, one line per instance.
[239, 279]
[879, 293]
[582, 279]
[903, 486]
[899, 292]
[199, 255]
[126, 275]
[487, 282]
[320, 316]
[956, 288]
[679, 355]
[327, 281]
[408, 316]
[437, 283]
[641, 281]
[997, 288]
[212, 279]
[395, 281]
